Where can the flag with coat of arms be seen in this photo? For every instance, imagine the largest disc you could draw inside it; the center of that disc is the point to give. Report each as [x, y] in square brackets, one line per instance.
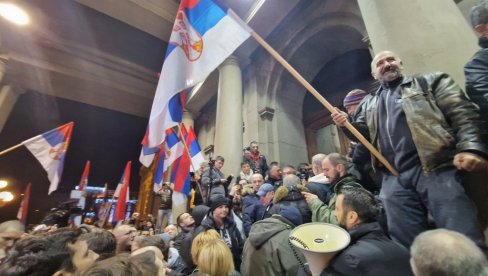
[50, 150]
[204, 35]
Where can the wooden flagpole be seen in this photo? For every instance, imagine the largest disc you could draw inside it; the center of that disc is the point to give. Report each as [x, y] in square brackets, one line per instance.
[322, 100]
[11, 148]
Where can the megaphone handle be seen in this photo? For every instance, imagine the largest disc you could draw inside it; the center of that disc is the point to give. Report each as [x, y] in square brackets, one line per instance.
[298, 256]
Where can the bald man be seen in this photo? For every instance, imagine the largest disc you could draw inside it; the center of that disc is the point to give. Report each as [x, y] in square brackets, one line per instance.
[427, 128]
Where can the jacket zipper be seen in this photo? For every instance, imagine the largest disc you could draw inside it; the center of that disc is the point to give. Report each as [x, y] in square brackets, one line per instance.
[388, 119]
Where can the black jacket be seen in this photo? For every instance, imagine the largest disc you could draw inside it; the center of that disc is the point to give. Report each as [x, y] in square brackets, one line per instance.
[235, 235]
[370, 253]
[291, 197]
[441, 118]
[182, 243]
[476, 73]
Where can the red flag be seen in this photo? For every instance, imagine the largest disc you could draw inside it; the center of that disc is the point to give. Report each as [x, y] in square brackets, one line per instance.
[122, 193]
[84, 177]
[24, 205]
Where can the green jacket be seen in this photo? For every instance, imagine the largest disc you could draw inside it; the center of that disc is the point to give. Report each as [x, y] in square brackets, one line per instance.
[267, 251]
[322, 212]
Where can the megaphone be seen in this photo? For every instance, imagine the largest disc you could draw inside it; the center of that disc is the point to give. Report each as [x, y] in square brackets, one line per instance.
[319, 243]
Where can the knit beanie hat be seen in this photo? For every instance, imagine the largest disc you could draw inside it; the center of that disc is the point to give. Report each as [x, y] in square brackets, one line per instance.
[219, 201]
[292, 214]
[354, 97]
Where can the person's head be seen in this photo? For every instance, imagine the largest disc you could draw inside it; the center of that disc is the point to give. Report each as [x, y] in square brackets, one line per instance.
[144, 241]
[215, 258]
[185, 220]
[254, 147]
[245, 168]
[266, 193]
[334, 166]
[446, 253]
[10, 232]
[101, 242]
[292, 214]
[208, 236]
[291, 180]
[352, 100]
[288, 170]
[219, 162]
[386, 67]
[198, 213]
[479, 18]
[150, 259]
[82, 256]
[317, 163]
[257, 180]
[220, 208]
[118, 265]
[135, 215]
[275, 172]
[124, 234]
[171, 230]
[355, 205]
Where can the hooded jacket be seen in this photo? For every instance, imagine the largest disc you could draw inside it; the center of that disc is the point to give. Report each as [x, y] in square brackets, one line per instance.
[291, 196]
[267, 252]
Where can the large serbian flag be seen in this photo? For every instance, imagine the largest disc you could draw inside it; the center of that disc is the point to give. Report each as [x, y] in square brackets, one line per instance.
[50, 149]
[203, 36]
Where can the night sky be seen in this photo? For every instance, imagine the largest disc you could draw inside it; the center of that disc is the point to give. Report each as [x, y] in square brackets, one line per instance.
[107, 138]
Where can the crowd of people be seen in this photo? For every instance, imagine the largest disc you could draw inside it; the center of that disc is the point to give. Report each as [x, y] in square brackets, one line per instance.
[418, 220]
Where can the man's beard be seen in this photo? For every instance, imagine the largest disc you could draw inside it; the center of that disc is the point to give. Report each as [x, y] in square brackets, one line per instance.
[390, 74]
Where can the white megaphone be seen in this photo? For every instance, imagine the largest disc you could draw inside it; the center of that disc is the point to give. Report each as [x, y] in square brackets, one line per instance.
[319, 242]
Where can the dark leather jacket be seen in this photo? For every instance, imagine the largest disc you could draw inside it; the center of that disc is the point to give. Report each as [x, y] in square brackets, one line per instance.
[442, 120]
[476, 73]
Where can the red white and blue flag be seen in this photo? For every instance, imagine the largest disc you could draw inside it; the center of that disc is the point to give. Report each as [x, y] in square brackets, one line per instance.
[173, 150]
[203, 36]
[50, 150]
[84, 177]
[24, 205]
[181, 171]
[195, 151]
[122, 194]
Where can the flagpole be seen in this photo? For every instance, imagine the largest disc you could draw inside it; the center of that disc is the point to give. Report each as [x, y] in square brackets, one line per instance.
[11, 148]
[189, 155]
[322, 100]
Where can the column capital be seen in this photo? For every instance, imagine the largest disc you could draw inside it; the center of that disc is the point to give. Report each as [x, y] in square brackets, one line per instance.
[231, 60]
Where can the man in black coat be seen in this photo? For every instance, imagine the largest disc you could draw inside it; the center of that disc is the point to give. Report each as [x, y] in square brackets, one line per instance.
[370, 252]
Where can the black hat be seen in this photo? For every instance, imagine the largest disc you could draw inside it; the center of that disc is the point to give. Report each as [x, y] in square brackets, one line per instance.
[219, 201]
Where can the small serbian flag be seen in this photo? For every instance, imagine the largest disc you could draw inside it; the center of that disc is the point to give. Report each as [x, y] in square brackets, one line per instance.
[24, 205]
[122, 194]
[84, 177]
[50, 150]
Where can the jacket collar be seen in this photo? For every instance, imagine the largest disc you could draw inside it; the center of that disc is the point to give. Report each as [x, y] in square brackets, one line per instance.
[363, 229]
[405, 80]
[483, 42]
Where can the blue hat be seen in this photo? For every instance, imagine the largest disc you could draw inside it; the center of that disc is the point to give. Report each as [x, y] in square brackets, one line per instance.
[292, 214]
[264, 189]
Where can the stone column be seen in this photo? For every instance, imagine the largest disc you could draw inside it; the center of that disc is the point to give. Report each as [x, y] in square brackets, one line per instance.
[228, 127]
[187, 119]
[8, 98]
[428, 35]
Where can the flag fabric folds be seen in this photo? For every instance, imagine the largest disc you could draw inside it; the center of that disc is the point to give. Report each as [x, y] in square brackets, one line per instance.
[84, 176]
[203, 36]
[50, 150]
[24, 205]
[159, 173]
[122, 194]
[195, 151]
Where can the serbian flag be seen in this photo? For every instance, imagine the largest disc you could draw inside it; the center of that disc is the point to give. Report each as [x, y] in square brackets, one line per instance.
[50, 150]
[84, 176]
[24, 205]
[159, 173]
[181, 172]
[122, 194]
[174, 149]
[203, 36]
[194, 148]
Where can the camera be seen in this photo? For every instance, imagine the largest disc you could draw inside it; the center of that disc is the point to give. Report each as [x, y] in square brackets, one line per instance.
[303, 174]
